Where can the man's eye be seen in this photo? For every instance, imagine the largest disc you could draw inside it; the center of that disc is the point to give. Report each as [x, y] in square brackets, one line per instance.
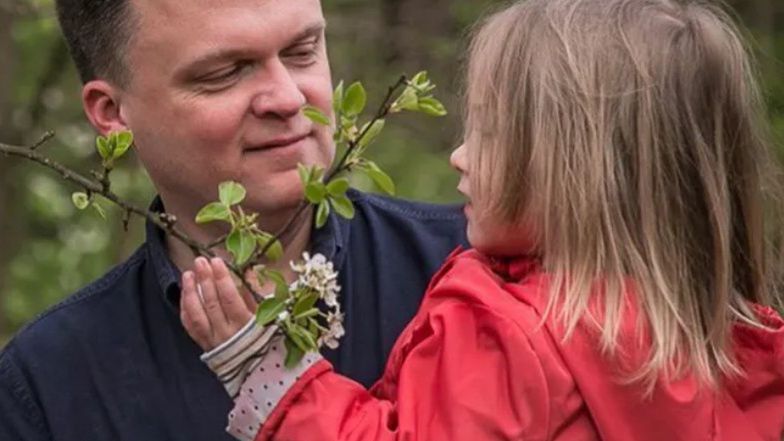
[224, 75]
[304, 54]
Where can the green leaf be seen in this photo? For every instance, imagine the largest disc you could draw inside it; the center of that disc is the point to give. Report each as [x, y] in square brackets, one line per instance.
[422, 83]
[420, 79]
[355, 100]
[124, 141]
[313, 326]
[316, 115]
[99, 209]
[347, 123]
[281, 289]
[322, 214]
[407, 101]
[371, 133]
[315, 192]
[296, 336]
[102, 144]
[431, 106]
[381, 179]
[304, 174]
[293, 353]
[302, 338]
[80, 200]
[337, 98]
[231, 193]
[276, 276]
[338, 187]
[241, 244]
[304, 304]
[310, 341]
[269, 309]
[316, 173]
[214, 211]
[303, 317]
[275, 251]
[281, 286]
[343, 206]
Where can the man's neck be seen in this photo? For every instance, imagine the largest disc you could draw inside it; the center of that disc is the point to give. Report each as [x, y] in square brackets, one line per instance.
[294, 244]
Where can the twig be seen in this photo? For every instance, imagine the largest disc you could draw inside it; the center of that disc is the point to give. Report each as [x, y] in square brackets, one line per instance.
[382, 112]
[44, 138]
[164, 221]
[340, 167]
[217, 241]
[167, 222]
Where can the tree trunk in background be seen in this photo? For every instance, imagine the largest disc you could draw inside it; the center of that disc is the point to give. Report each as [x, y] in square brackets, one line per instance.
[392, 33]
[762, 18]
[10, 135]
[432, 33]
[419, 34]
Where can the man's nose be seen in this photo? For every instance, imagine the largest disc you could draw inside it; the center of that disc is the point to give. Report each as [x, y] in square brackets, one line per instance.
[279, 94]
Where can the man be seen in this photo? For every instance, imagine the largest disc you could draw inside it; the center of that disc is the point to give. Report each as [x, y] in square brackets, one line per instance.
[212, 91]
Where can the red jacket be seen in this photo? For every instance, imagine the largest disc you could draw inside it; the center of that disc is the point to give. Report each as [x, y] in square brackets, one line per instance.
[475, 365]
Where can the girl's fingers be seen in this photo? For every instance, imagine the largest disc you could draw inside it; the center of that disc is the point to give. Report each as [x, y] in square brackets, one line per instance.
[192, 314]
[234, 308]
[209, 294]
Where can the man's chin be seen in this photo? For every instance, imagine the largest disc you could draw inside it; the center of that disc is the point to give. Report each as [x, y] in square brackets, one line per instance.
[275, 212]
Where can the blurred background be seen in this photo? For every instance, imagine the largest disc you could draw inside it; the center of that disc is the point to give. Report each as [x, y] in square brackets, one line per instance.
[48, 249]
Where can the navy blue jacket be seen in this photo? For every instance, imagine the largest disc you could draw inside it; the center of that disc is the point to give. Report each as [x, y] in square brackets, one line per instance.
[113, 362]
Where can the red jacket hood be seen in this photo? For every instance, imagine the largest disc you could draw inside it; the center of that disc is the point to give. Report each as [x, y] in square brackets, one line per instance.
[750, 408]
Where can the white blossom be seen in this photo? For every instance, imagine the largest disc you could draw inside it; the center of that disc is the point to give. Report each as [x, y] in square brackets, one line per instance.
[317, 274]
[336, 330]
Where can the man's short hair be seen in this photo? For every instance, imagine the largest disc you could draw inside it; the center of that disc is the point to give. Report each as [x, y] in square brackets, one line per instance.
[98, 33]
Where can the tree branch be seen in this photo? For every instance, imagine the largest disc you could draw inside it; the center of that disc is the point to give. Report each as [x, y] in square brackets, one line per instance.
[100, 186]
[340, 167]
[164, 221]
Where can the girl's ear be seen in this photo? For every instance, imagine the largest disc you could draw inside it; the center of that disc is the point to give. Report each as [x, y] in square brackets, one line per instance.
[101, 102]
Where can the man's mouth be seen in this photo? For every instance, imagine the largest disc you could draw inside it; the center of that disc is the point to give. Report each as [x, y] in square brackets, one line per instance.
[279, 142]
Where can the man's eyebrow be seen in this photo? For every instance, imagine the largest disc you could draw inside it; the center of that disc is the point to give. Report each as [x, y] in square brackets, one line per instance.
[219, 55]
[313, 30]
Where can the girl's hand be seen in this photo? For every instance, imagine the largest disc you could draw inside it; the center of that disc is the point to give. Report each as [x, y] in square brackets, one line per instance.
[219, 311]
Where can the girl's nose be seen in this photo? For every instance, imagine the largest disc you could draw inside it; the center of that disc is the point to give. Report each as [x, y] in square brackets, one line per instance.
[458, 159]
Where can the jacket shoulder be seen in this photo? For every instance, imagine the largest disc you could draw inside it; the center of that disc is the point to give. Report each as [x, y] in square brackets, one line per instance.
[410, 209]
[81, 312]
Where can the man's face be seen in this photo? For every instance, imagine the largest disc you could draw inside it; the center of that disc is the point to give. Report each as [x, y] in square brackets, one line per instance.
[216, 93]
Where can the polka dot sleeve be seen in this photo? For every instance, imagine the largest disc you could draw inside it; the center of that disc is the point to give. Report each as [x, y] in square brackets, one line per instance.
[263, 389]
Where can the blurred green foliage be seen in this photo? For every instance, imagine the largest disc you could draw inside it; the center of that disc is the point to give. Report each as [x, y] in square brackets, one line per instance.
[48, 249]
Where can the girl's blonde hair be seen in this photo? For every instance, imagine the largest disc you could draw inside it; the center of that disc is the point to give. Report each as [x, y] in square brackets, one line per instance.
[631, 136]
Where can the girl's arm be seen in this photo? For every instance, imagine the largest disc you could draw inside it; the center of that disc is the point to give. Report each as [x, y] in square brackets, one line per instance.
[460, 372]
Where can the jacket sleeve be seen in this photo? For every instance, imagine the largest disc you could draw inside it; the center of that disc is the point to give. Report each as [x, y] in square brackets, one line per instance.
[20, 416]
[463, 372]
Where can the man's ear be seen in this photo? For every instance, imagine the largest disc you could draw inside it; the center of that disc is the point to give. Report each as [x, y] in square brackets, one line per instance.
[102, 104]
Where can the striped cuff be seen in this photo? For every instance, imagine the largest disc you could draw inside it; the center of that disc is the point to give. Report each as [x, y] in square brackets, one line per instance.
[235, 358]
[263, 389]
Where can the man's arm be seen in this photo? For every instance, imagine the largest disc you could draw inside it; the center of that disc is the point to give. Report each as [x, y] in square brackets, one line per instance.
[20, 415]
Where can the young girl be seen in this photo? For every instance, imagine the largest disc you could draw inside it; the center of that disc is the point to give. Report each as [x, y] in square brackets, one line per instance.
[617, 181]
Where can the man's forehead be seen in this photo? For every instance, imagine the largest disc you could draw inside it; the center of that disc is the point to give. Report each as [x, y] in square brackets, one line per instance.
[183, 30]
[163, 11]
[176, 39]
